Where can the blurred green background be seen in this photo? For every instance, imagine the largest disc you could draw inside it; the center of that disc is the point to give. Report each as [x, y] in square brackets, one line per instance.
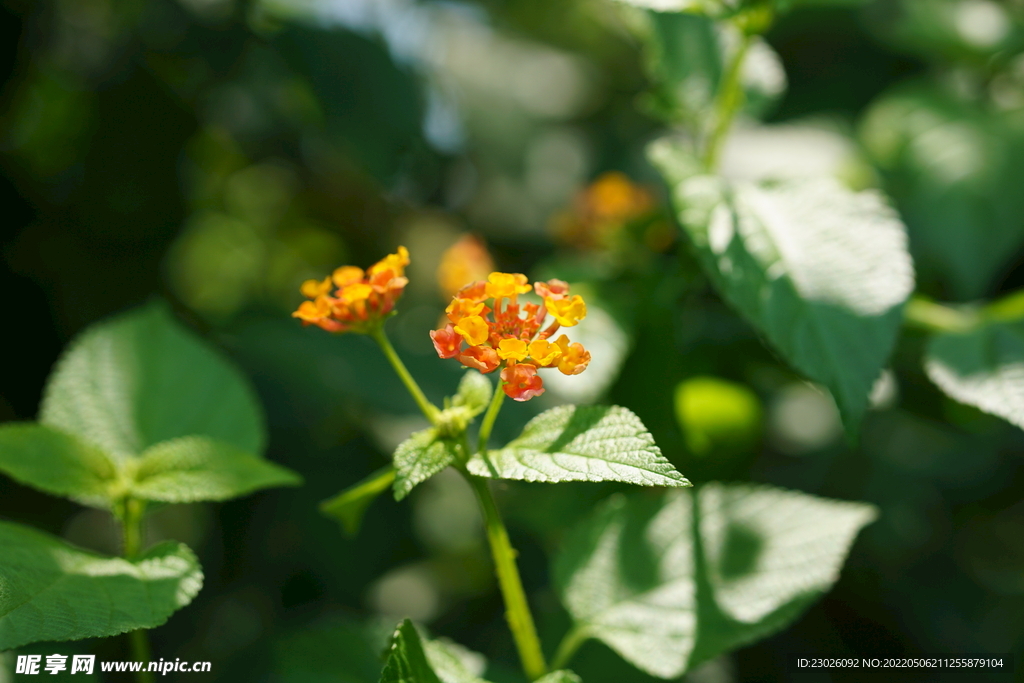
[216, 153]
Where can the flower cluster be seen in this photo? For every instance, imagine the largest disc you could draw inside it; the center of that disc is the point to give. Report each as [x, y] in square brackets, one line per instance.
[507, 333]
[360, 300]
[601, 210]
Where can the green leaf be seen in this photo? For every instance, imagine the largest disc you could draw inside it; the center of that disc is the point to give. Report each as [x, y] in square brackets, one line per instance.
[581, 443]
[420, 457]
[821, 271]
[474, 393]
[58, 463]
[955, 171]
[634, 577]
[562, 676]
[50, 590]
[349, 506]
[982, 368]
[407, 663]
[454, 663]
[138, 379]
[686, 57]
[194, 468]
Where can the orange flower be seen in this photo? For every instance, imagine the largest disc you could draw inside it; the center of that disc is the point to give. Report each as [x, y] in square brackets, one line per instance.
[447, 342]
[361, 301]
[521, 382]
[513, 334]
[575, 358]
[482, 358]
[464, 261]
[601, 210]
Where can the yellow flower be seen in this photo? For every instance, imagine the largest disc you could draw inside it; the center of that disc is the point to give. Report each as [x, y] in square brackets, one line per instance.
[544, 353]
[473, 329]
[357, 291]
[346, 275]
[311, 289]
[567, 312]
[512, 349]
[506, 285]
[396, 263]
[463, 308]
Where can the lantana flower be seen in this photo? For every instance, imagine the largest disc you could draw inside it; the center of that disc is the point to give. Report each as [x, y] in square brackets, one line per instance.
[600, 211]
[488, 328]
[351, 300]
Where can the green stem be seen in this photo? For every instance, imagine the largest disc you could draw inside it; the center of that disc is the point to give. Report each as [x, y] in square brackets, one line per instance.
[729, 101]
[932, 317]
[492, 414]
[517, 610]
[428, 408]
[567, 648]
[132, 514]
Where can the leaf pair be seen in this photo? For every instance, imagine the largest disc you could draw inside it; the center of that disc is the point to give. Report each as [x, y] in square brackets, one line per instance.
[137, 408]
[673, 581]
[568, 443]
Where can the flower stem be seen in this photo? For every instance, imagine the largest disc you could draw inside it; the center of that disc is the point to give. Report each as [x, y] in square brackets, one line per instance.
[428, 408]
[576, 636]
[934, 317]
[729, 101]
[492, 414]
[131, 524]
[517, 610]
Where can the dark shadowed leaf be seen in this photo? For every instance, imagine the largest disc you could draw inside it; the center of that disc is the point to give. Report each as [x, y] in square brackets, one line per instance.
[349, 506]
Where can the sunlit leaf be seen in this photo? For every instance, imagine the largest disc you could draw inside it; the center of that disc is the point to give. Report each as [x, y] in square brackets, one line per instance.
[138, 379]
[420, 457]
[821, 271]
[454, 663]
[58, 463]
[983, 368]
[407, 662]
[194, 468]
[581, 443]
[634, 578]
[50, 590]
[349, 506]
[562, 676]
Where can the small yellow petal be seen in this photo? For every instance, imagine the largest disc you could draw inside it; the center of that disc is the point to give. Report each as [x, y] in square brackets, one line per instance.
[473, 329]
[512, 349]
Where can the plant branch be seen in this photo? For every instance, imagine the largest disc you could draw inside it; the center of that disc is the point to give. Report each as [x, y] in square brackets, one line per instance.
[728, 101]
[517, 610]
[933, 317]
[576, 636]
[131, 515]
[428, 408]
[492, 414]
